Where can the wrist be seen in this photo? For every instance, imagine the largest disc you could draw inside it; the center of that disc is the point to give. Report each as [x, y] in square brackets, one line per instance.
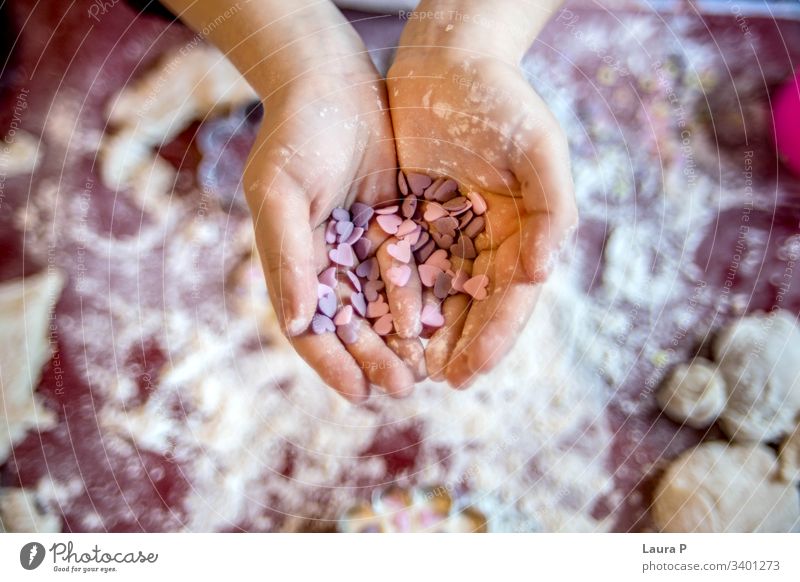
[503, 29]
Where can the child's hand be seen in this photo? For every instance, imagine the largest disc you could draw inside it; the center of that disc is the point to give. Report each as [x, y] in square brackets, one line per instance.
[473, 116]
[326, 142]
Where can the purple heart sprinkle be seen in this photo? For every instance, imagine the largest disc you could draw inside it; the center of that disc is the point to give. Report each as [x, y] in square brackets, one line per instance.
[361, 214]
[341, 214]
[359, 303]
[327, 304]
[362, 247]
[328, 277]
[354, 281]
[321, 324]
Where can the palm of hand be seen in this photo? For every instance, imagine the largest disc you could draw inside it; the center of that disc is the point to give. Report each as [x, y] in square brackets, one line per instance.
[325, 143]
[482, 124]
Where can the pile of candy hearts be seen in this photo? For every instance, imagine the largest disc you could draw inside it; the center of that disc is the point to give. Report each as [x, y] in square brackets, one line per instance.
[434, 224]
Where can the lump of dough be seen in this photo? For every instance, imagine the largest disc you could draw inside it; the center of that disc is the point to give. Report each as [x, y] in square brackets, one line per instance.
[25, 307]
[721, 487]
[21, 512]
[693, 394]
[759, 359]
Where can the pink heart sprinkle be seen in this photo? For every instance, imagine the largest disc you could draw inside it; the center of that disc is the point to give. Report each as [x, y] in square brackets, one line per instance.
[418, 182]
[434, 211]
[323, 290]
[328, 277]
[371, 290]
[439, 259]
[413, 237]
[407, 227]
[401, 250]
[387, 209]
[389, 222]
[401, 183]
[344, 316]
[355, 236]
[432, 316]
[354, 281]
[399, 275]
[428, 274]
[377, 308]
[478, 203]
[327, 304]
[359, 304]
[476, 287]
[330, 232]
[459, 280]
[343, 255]
[384, 325]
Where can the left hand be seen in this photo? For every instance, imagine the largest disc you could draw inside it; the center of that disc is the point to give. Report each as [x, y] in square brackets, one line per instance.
[476, 119]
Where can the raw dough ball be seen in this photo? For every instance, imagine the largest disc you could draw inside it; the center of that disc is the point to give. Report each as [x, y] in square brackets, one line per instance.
[21, 512]
[759, 359]
[717, 487]
[789, 457]
[693, 394]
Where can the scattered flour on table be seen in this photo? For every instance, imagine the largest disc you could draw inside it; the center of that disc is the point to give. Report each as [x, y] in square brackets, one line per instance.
[239, 411]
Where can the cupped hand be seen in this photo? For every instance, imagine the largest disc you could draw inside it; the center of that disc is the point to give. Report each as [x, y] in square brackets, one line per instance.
[476, 119]
[326, 142]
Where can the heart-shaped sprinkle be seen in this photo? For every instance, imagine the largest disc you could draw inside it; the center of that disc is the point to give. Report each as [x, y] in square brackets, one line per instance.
[361, 214]
[371, 289]
[464, 248]
[343, 255]
[384, 325]
[432, 316]
[476, 286]
[359, 303]
[424, 237]
[465, 218]
[362, 247]
[406, 227]
[348, 332]
[387, 209]
[354, 281]
[434, 211]
[354, 237]
[430, 191]
[328, 277]
[321, 324]
[344, 228]
[377, 308]
[323, 290]
[389, 223]
[418, 182]
[327, 304]
[478, 203]
[447, 191]
[475, 227]
[402, 183]
[428, 274]
[413, 236]
[409, 206]
[443, 241]
[439, 259]
[364, 269]
[457, 205]
[344, 316]
[330, 232]
[399, 275]
[340, 214]
[400, 250]
[425, 251]
[446, 225]
[443, 285]
[458, 281]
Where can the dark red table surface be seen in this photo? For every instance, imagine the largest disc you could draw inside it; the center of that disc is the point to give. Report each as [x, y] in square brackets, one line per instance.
[62, 51]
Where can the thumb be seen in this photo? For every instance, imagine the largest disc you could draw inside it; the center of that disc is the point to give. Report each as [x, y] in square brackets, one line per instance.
[285, 243]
